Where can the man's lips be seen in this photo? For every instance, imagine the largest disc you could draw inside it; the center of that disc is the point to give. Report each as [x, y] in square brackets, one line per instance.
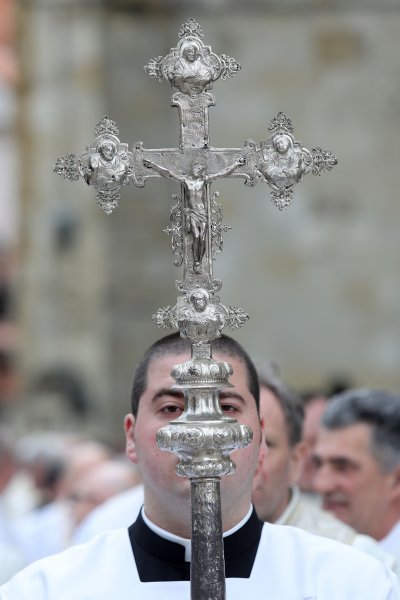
[334, 503]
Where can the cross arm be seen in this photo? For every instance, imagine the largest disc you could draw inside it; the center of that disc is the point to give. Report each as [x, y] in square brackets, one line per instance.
[227, 170]
[165, 162]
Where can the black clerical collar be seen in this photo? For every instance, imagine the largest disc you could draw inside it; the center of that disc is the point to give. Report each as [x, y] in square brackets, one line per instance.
[158, 559]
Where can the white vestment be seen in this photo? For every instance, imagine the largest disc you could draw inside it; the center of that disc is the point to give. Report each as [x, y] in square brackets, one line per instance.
[290, 565]
[307, 515]
[44, 531]
[122, 510]
[391, 542]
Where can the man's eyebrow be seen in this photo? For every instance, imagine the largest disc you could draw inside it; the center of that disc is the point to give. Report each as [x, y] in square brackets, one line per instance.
[343, 461]
[167, 392]
[335, 461]
[223, 395]
[226, 393]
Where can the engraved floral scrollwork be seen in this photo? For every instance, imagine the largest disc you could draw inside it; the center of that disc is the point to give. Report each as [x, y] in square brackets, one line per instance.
[280, 123]
[217, 227]
[236, 317]
[230, 66]
[106, 126]
[153, 68]
[68, 167]
[165, 317]
[224, 438]
[323, 160]
[282, 198]
[190, 439]
[191, 27]
[205, 372]
[163, 438]
[192, 442]
[108, 201]
[246, 435]
[206, 468]
[175, 231]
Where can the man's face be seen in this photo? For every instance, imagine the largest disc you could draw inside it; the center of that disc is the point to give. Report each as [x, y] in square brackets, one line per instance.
[167, 496]
[279, 467]
[350, 480]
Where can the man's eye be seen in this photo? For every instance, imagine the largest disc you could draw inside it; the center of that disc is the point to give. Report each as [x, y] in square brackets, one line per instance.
[229, 408]
[342, 466]
[172, 409]
[316, 462]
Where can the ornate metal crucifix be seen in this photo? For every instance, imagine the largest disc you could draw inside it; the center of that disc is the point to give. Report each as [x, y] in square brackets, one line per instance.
[202, 437]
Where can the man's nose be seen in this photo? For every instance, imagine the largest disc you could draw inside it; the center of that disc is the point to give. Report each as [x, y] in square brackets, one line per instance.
[323, 480]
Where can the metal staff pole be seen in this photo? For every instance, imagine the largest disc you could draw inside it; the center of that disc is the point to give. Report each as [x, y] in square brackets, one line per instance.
[203, 438]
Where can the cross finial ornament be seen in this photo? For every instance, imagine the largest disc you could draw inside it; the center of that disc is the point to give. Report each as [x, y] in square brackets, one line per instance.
[202, 437]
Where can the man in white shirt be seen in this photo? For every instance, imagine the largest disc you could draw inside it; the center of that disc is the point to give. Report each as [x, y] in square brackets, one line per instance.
[151, 560]
[357, 456]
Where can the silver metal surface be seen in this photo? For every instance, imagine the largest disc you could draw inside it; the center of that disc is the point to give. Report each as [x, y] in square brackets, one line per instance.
[203, 437]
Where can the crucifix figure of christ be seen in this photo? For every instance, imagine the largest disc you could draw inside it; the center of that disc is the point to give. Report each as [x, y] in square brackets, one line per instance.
[195, 187]
[203, 437]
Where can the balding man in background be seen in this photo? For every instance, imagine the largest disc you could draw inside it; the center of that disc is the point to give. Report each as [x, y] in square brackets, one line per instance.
[99, 484]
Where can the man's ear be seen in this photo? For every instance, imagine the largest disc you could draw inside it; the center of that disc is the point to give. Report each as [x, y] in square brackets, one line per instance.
[130, 446]
[297, 460]
[263, 449]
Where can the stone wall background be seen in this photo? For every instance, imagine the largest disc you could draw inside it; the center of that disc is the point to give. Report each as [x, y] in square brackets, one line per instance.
[320, 281]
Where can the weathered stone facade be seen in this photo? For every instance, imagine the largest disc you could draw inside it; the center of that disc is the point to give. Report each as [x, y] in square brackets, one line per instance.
[319, 281]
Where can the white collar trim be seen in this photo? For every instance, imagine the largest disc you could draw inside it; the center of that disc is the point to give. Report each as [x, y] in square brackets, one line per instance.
[187, 544]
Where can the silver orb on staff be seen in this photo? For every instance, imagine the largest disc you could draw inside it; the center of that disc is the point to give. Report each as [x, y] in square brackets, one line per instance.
[203, 437]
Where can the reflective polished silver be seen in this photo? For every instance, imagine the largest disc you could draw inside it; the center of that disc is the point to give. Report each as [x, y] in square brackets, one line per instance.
[203, 437]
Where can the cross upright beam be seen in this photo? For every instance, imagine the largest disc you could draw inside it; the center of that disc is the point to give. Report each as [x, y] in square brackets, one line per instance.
[202, 437]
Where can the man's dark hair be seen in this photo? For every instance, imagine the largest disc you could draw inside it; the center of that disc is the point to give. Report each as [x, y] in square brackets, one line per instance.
[174, 344]
[376, 408]
[290, 402]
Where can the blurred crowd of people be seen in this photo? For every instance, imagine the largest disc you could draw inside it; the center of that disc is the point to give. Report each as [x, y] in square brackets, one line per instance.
[49, 483]
[329, 464]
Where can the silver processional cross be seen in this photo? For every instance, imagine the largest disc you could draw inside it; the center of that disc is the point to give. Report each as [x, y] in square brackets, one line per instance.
[202, 437]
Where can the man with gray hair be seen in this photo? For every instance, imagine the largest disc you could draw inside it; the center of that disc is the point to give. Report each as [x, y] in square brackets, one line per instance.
[357, 456]
[276, 496]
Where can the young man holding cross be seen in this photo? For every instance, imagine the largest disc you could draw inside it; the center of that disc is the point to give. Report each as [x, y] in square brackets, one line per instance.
[151, 560]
